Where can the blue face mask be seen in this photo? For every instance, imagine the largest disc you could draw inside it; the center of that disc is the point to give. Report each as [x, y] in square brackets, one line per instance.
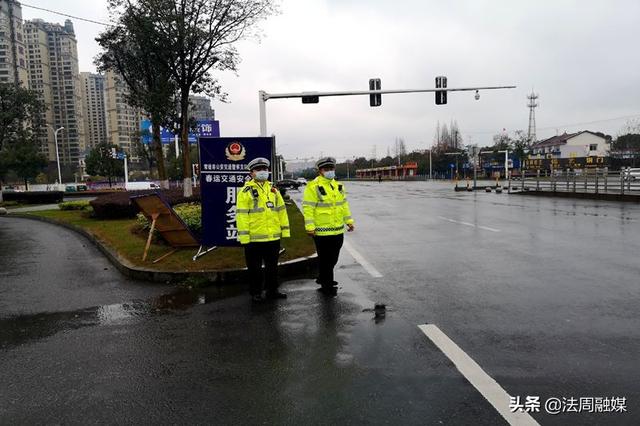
[330, 174]
[262, 175]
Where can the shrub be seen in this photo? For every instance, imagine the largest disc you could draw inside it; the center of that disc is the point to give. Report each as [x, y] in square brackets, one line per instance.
[191, 214]
[34, 197]
[74, 205]
[119, 206]
[9, 203]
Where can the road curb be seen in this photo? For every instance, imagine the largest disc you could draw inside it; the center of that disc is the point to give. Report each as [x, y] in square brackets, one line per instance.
[582, 195]
[290, 269]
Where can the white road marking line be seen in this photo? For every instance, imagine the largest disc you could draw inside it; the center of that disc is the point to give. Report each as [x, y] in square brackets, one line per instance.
[362, 261]
[489, 388]
[486, 228]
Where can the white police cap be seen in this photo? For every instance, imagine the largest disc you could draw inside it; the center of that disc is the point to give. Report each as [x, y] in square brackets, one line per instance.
[258, 162]
[326, 161]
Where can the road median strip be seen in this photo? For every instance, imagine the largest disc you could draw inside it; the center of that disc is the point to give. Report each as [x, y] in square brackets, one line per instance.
[124, 250]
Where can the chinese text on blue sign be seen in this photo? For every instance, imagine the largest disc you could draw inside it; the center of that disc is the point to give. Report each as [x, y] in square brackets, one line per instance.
[223, 170]
[206, 129]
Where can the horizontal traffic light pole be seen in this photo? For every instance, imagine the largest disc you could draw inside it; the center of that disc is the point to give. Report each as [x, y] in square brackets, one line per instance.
[266, 96]
[313, 97]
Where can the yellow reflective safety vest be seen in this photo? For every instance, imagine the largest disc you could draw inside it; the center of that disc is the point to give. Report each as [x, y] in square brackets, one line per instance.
[261, 214]
[325, 207]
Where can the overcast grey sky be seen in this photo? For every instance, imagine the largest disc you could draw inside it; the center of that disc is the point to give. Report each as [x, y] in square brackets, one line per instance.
[580, 56]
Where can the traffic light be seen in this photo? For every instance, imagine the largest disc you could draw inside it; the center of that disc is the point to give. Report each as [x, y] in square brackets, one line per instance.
[441, 96]
[310, 98]
[375, 99]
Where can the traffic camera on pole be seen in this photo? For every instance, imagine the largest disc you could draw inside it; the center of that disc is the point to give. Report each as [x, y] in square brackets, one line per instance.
[375, 99]
[441, 95]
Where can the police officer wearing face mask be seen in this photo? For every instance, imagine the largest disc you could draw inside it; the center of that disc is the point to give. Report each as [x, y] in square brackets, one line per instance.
[261, 217]
[326, 212]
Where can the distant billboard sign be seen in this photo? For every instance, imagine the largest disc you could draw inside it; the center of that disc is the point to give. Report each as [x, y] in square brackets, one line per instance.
[537, 163]
[205, 129]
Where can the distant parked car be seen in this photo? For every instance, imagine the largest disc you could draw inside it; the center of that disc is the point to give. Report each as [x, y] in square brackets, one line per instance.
[287, 184]
[631, 174]
[138, 186]
[301, 181]
[75, 187]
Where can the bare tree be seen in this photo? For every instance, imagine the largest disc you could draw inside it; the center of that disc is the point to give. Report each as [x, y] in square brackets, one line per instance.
[456, 137]
[402, 148]
[129, 49]
[445, 137]
[198, 37]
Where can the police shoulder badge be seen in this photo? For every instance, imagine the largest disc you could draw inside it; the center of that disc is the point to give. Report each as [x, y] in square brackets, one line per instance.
[235, 151]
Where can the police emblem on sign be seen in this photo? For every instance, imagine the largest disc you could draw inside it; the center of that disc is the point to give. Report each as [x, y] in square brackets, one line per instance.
[235, 151]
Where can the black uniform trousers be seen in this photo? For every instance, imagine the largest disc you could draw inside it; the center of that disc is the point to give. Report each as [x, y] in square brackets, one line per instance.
[328, 248]
[256, 253]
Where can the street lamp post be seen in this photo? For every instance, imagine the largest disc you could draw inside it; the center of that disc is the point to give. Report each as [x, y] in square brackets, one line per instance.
[430, 167]
[55, 138]
[506, 169]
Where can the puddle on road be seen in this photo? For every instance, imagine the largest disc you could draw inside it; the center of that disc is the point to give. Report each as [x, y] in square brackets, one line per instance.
[21, 329]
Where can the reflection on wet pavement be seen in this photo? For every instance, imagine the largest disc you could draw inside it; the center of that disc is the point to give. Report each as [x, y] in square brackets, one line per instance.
[16, 330]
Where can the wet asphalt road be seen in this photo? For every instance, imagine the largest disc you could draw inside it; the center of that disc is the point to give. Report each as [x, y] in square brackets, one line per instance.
[541, 293]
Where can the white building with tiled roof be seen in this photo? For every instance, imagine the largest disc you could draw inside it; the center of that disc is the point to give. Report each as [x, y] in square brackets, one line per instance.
[573, 145]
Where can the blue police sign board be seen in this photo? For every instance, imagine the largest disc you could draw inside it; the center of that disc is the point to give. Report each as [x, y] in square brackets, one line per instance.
[206, 129]
[223, 171]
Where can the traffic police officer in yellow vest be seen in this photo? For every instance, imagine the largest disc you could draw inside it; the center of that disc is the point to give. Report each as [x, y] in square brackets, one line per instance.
[261, 218]
[326, 212]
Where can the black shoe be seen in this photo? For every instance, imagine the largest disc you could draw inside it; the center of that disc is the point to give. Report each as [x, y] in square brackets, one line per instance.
[328, 290]
[332, 283]
[274, 295]
[257, 298]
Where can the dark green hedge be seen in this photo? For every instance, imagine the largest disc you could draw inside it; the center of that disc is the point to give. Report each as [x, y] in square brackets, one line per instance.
[34, 197]
[119, 206]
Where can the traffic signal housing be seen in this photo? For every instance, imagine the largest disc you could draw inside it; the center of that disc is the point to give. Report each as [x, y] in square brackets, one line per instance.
[310, 99]
[441, 95]
[375, 100]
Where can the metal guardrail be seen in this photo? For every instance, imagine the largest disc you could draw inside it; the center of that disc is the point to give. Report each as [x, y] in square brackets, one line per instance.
[586, 181]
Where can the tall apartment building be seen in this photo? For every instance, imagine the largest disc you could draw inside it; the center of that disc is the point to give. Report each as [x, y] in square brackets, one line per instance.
[123, 121]
[53, 73]
[201, 108]
[13, 51]
[93, 96]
